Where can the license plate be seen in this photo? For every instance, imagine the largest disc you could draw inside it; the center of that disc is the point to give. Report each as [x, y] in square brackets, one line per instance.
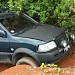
[66, 48]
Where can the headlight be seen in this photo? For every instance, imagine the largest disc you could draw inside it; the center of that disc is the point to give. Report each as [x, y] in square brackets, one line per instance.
[72, 36]
[47, 47]
[64, 43]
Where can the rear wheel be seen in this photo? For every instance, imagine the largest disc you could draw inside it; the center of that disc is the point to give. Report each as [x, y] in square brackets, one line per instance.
[27, 61]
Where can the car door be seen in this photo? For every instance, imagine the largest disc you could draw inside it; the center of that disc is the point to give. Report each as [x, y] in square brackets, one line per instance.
[4, 48]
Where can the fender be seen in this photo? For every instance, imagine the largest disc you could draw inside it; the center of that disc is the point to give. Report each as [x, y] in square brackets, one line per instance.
[26, 51]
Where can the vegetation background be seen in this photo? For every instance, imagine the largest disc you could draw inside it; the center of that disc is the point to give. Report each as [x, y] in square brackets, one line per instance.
[54, 12]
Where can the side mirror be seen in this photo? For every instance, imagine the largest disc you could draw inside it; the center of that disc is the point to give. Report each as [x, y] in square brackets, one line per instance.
[2, 33]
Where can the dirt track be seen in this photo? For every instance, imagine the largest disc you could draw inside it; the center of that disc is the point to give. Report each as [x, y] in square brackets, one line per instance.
[67, 61]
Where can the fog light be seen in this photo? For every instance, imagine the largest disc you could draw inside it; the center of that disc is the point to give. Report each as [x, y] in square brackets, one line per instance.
[64, 43]
[73, 36]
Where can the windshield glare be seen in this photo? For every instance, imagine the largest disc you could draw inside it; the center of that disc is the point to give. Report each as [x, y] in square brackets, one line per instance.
[17, 24]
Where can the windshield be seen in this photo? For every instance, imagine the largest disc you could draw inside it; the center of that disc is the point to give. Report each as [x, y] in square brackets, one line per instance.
[17, 24]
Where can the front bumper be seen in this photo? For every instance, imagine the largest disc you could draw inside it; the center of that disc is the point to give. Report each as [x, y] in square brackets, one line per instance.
[53, 55]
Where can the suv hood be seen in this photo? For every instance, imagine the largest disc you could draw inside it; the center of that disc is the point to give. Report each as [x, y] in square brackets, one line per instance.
[45, 33]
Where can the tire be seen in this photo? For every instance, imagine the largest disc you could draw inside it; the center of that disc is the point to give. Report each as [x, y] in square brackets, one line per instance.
[28, 61]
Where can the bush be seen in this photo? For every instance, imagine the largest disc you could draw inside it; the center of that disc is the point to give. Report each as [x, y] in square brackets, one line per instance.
[54, 12]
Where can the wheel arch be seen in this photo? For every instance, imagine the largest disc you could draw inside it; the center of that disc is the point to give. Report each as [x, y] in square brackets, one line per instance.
[20, 52]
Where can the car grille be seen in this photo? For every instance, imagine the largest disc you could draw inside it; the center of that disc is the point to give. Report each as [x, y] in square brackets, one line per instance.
[61, 38]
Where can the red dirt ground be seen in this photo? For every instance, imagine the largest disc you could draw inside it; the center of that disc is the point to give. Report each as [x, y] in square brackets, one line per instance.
[67, 62]
[27, 70]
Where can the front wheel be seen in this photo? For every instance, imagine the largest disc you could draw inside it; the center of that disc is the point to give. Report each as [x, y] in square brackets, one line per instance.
[28, 61]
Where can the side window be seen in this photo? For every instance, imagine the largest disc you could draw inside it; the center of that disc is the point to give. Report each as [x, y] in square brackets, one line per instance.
[2, 33]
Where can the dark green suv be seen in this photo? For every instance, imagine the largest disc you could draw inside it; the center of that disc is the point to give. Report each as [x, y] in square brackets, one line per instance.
[22, 42]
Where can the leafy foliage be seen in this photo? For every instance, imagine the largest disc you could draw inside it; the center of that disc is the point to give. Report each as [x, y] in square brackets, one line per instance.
[55, 12]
